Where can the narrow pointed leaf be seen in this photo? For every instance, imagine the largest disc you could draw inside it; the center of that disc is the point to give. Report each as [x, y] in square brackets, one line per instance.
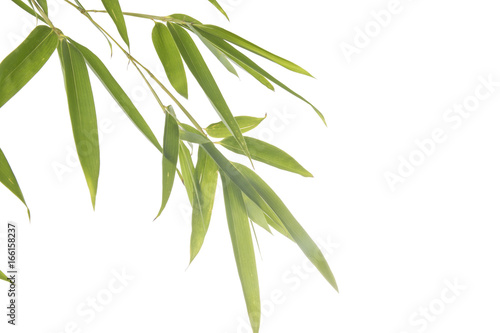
[170, 156]
[114, 10]
[185, 18]
[43, 4]
[170, 58]
[256, 214]
[25, 61]
[216, 4]
[241, 237]
[303, 240]
[116, 91]
[267, 153]
[241, 42]
[4, 277]
[82, 113]
[236, 55]
[83, 10]
[28, 9]
[265, 82]
[8, 179]
[198, 67]
[207, 174]
[246, 123]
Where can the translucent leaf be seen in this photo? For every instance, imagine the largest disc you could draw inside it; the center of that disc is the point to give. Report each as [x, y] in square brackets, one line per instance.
[82, 113]
[246, 123]
[8, 179]
[114, 10]
[25, 61]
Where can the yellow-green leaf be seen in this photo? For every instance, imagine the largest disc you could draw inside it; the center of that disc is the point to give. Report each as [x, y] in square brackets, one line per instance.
[8, 179]
[267, 153]
[82, 113]
[199, 68]
[114, 10]
[246, 123]
[4, 277]
[216, 4]
[28, 9]
[116, 91]
[256, 214]
[241, 238]
[43, 4]
[170, 58]
[170, 156]
[25, 61]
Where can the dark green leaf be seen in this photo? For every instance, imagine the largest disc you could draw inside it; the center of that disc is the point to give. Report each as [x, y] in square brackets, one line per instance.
[25, 61]
[170, 58]
[170, 156]
[246, 123]
[82, 113]
[267, 153]
[8, 179]
[207, 174]
[241, 237]
[114, 10]
[216, 4]
[198, 67]
[241, 42]
[117, 92]
[303, 240]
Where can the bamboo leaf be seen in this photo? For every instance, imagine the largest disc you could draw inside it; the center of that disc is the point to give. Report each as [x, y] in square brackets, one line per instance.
[256, 214]
[265, 82]
[241, 237]
[82, 113]
[303, 240]
[25, 61]
[43, 4]
[236, 55]
[206, 174]
[4, 277]
[8, 179]
[116, 91]
[246, 123]
[216, 4]
[28, 9]
[241, 42]
[198, 67]
[83, 10]
[185, 18]
[267, 153]
[170, 156]
[170, 58]
[114, 10]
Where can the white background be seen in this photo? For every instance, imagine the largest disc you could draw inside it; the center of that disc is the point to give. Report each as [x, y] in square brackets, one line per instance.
[394, 253]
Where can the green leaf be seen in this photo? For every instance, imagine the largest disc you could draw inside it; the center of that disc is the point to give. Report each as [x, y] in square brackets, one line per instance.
[241, 237]
[116, 91]
[184, 18]
[267, 153]
[170, 58]
[28, 9]
[246, 123]
[241, 42]
[216, 4]
[25, 61]
[198, 67]
[256, 214]
[114, 10]
[83, 10]
[4, 277]
[82, 113]
[253, 73]
[43, 4]
[170, 156]
[8, 179]
[303, 240]
[236, 55]
[206, 174]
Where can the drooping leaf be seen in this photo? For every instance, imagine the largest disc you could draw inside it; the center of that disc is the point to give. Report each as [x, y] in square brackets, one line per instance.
[267, 153]
[199, 68]
[241, 42]
[246, 123]
[256, 214]
[8, 179]
[28, 9]
[207, 174]
[116, 91]
[25, 61]
[184, 18]
[4, 277]
[303, 240]
[170, 157]
[82, 113]
[216, 4]
[43, 4]
[265, 82]
[241, 238]
[114, 10]
[170, 58]
[83, 10]
[236, 55]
